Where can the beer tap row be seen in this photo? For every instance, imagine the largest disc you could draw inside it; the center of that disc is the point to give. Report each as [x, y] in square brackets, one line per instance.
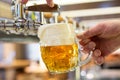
[26, 18]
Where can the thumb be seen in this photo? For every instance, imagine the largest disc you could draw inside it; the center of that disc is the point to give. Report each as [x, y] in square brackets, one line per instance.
[50, 3]
[94, 31]
[24, 1]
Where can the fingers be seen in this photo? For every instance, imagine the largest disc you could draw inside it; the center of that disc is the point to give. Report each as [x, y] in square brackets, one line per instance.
[97, 53]
[50, 3]
[24, 1]
[84, 42]
[99, 60]
[89, 46]
[94, 31]
[97, 57]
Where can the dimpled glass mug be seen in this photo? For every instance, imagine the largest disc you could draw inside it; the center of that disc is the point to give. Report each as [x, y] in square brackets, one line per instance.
[59, 49]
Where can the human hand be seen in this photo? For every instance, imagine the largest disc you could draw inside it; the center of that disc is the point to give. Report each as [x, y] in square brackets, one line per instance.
[49, 2]
[24, 1]
[104, 38]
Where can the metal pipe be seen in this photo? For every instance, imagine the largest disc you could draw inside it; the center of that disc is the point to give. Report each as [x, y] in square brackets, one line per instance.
[13, 24]
[18, 38]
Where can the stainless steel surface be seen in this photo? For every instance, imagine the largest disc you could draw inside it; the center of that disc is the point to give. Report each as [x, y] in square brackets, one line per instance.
[10, 31]
[18, 38]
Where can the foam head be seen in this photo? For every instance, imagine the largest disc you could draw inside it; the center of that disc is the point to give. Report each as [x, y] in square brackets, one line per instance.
[56, 34]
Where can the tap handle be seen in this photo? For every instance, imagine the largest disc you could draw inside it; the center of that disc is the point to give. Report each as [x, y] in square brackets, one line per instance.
[43, 8]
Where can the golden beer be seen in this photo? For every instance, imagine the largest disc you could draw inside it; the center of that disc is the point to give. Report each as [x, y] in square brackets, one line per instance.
[62, 58]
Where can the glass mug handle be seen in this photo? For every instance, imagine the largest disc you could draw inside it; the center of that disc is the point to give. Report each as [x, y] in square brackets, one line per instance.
[85, 61]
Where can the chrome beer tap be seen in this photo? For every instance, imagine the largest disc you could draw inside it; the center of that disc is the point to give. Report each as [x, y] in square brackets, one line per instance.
[17, 27]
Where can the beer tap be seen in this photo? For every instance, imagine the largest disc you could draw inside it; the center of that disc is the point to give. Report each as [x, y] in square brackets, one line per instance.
[21, 8]
[20, 28]
[20, 15]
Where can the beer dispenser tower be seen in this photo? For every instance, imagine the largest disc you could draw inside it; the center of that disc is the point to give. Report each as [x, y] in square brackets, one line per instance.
[15, 25]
